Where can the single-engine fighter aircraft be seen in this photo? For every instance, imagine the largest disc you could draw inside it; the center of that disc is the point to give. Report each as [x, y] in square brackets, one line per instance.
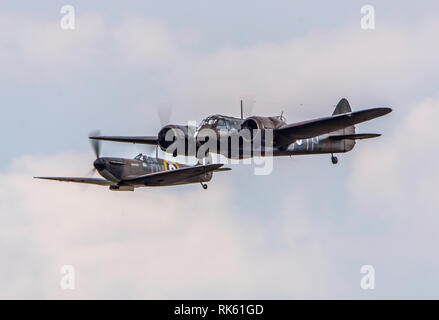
[143, 171]
[327, 135]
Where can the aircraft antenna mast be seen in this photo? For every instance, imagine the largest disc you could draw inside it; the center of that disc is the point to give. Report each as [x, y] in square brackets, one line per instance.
[242, 111]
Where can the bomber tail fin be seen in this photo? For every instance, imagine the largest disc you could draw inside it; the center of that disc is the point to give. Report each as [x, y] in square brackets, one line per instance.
[344, 107]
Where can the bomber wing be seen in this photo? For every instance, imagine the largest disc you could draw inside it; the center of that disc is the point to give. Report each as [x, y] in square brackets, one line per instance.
[152, 140]
[316, 127]
[171, 176]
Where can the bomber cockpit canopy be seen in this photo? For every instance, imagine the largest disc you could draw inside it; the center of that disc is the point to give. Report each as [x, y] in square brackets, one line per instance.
[222, 122]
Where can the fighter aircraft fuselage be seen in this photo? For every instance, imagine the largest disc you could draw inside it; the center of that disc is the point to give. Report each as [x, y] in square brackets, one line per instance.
[118, 170]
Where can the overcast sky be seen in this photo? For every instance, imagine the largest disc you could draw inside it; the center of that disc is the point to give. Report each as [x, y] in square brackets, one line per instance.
[304, 231]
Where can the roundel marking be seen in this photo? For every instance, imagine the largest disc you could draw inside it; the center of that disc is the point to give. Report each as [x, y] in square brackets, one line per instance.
[171, 165]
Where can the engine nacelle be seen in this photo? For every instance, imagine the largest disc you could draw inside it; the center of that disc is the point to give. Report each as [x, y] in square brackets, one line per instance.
[262, 123]
[180, 135]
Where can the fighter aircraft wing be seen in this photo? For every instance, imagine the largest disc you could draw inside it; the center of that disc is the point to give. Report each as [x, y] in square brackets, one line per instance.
[152, 140]
[316, 127]
[101, 182]
[171, 176]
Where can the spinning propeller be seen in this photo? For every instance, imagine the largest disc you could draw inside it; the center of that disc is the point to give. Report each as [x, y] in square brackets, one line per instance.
[164, 111]
[98, 164]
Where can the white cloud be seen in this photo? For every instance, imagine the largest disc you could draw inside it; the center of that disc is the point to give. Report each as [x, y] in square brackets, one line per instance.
[370, 67]
[180, 242]
[404, 162]
[316, 70]
[142, 41]
[394, 188]
[39, 45]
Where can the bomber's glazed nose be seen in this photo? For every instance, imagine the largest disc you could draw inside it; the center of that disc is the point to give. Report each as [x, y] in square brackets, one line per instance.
[99, 164]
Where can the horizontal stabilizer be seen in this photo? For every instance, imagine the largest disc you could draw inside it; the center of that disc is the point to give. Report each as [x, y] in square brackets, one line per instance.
[358, 136]
[222, 169]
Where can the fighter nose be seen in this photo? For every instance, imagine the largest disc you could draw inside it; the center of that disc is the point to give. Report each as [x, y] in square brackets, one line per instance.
[99, 164]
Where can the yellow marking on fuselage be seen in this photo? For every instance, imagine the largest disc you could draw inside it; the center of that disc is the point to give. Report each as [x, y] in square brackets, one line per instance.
[165, 163]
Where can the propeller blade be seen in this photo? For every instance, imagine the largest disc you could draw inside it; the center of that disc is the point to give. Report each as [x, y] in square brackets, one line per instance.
[247, 103]
[96, 144]
[91, 172]
[164, 111]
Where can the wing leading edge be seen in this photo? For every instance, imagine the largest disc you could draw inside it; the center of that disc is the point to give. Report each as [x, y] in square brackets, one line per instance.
[151, 140]
[96, 181]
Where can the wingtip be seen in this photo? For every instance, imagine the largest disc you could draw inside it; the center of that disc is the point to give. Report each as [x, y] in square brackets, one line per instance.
[382, 111]
[223, 169]
[388, 109]
[42, 178]
[216, 166]
[372, 135]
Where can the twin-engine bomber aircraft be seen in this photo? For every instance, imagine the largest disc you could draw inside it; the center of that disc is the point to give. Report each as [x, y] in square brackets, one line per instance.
[328, 135]
[143, 171]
